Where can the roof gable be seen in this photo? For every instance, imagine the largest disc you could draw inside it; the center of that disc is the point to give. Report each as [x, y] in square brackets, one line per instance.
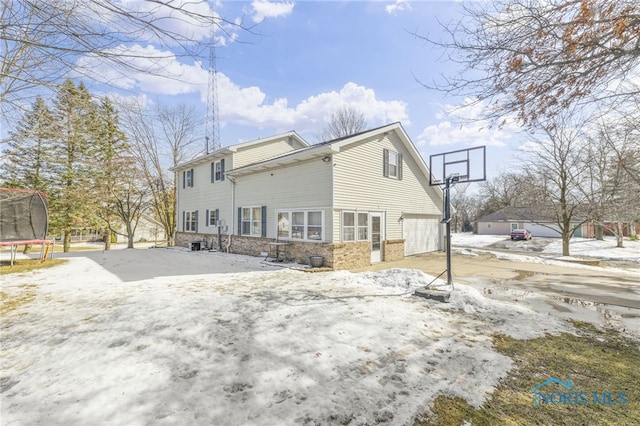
[231, 149]
[327, 148]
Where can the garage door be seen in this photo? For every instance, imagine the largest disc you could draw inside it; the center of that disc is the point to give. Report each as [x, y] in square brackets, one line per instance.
[420, 235]
[543, 231]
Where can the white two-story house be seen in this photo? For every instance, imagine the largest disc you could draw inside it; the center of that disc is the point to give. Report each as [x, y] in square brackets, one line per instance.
[355, 200]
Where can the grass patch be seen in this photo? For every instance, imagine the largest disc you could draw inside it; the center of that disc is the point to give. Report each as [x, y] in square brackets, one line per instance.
[11, 302]
[26, 265]
[595, 360]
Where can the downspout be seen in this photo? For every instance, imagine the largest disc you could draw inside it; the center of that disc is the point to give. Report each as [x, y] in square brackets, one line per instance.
[233, 211]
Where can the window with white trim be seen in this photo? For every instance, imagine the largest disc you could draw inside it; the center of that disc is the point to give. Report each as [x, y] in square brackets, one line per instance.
[363, 226]
[392, 164]
[284, 225]
[217, 171]
[314, 226]
[213, 217]
[306, 225]
[187, 178]
[355, 226]
[348, 226]
[252, 221]
[191, 221]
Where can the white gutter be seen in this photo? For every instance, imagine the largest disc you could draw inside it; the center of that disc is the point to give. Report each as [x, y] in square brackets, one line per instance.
[233, 211]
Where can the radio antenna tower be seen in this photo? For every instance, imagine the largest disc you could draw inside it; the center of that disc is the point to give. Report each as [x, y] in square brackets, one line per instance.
[212, 127]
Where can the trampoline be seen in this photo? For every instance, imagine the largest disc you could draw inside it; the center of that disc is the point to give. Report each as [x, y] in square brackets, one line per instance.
[24, 221]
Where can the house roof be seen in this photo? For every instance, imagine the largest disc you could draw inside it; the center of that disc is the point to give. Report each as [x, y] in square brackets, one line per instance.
[235, 148]
[509, 214]
[536, 214]
[330, 147]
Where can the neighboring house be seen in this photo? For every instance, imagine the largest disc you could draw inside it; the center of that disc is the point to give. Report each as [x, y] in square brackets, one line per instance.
[354, 200]
[148, 229]
[505, 220]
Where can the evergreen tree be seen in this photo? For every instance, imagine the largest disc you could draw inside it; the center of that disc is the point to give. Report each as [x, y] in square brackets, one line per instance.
[72, 203]
[26, 158]
[119, 194]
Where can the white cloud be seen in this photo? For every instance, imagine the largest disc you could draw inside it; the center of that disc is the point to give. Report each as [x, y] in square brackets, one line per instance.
[398, 6]
[149, 70]
[464, 125]
[160, 72]
[182, 17]
[267, 9]
[246, 106]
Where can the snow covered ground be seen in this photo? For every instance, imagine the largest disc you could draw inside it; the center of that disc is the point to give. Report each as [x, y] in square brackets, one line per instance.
[588, 247]
[94, 342]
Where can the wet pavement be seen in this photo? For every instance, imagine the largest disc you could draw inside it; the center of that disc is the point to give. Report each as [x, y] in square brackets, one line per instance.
[608, 294]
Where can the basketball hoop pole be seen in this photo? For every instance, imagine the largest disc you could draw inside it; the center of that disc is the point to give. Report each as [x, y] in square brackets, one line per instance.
[447, 221]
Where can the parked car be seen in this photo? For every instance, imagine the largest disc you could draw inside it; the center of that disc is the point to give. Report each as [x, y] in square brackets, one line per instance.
[520, 234]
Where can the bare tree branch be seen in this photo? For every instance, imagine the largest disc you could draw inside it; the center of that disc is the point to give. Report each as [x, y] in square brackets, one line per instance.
[536, 58]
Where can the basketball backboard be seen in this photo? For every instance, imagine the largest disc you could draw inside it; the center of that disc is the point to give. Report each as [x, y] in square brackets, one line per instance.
[469, 165]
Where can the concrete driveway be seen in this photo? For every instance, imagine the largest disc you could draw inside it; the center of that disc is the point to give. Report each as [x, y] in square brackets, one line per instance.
[608, 295]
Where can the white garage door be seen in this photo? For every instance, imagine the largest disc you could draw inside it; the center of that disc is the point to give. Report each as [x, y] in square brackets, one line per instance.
[543, 231]
[420, 235]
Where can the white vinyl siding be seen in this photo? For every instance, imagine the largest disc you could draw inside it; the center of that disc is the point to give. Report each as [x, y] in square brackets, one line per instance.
[366, 188]
[261, 152]
[203, 195]
[304, 186]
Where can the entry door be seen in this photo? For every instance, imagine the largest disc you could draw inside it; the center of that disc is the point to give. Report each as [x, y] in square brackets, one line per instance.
[376, 237]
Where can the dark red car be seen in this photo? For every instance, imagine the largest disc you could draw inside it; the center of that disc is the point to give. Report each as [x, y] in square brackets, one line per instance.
[520, 234]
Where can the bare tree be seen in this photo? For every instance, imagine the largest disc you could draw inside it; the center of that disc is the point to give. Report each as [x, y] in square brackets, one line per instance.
[558, 165]
[347, 120]
[465, 208]
[610, 189]
[510, 189]
[42, 41]
[537, 58]
[161, 140]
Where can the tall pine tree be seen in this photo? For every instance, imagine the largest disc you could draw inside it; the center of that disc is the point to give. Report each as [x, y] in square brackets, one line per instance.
[26, 162]
[119, 195]
[72, 202]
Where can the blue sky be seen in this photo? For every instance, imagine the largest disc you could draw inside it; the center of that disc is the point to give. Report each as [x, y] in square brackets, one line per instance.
[305, 59]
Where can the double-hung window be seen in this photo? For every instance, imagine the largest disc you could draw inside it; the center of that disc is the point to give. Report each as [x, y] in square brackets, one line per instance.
[190, 221]
[392, 164]
[217, 171]
[212, 217]
[187, 178]
[251, 221]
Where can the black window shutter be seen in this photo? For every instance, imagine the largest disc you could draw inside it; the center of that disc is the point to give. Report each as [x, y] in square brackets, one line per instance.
[385, 162]
[217, 216]
[239, 220]
[213, 172]
[400, 166]
[195, 219]
[264, 222]
[193, 178]
[222, 169]
[184, 179]
[206, 219]
[184, 220]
